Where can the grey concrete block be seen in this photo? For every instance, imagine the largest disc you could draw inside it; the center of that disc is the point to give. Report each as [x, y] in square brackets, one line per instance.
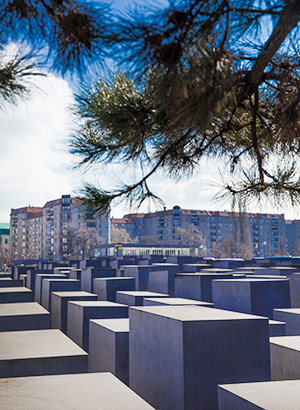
[195, 267]
[31, 275]
[9, 283]
[169, 370]
[197, 286]
[292, 319]
[75, 274]
[175, 302]
[254, 296]
[140, 273]
[295, 290]
[89, 274]
[162, 281]
[15, 295]
[278, 270]
[277, 328]
[109, 347]
[23, 316]
[217, 270]
[39, 352]
[59, 306]
[88, 391]
[23, 279]
[136, 298]
[5, 275]
[283, 395]
[57, 285]
[80, 313]
[285, 357]
[39, 281]
[106, 288]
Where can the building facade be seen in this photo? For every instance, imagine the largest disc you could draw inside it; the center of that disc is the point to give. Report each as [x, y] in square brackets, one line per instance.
[263, 234]
[46, 232]
[4, 241]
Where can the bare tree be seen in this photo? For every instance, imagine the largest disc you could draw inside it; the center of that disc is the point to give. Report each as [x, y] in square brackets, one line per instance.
[81, 242]
[282, 248]
[192, 237]
[119, 235]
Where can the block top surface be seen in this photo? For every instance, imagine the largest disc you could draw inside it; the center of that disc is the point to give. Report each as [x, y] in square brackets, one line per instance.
[37, 343]
[136, 266]
[275, 395]
[276, 322]
[290, 342]
[218, 270]
[179, 301]
[117, 278]
[115, 325]
[164, 264]
[249, 280]
[15, 290]
[19, 309]
[69, 392]
[142, 293]
[61, 280]
[73, 293]
[294, 311]
[206, 265]
[204, 274]
[261, 276]
[249, 267]
[96, 303]
[5, 279]
[51, 275]
[195, 313]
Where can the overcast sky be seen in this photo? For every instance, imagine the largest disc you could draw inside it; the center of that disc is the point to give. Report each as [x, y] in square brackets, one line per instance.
[36, 166]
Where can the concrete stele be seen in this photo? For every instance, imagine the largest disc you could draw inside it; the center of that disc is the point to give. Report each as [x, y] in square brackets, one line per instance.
[15, 295]
[23, 316]
[253, 296]
[80, 313]
[59, 306]
[136, 298]
[175, 302]
[88, 391]
[39, 352]
[109, 347]
[57, 285]
[106, 288]
[285, 357]
[275, 395]
[292, 319]
[172, 372]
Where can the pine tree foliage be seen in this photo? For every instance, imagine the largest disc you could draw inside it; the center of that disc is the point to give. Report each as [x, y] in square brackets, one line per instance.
[215, 78]
[64, 35]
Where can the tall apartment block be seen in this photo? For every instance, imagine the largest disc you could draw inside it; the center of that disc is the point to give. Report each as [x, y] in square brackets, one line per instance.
[266, 232]
[4, 239]
[42, 232]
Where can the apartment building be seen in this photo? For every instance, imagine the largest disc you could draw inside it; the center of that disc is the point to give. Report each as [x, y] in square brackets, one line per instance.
[264, 233]
[4, 239]
[44, 232]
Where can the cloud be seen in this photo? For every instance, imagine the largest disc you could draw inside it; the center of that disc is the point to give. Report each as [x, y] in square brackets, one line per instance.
[35, 164]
